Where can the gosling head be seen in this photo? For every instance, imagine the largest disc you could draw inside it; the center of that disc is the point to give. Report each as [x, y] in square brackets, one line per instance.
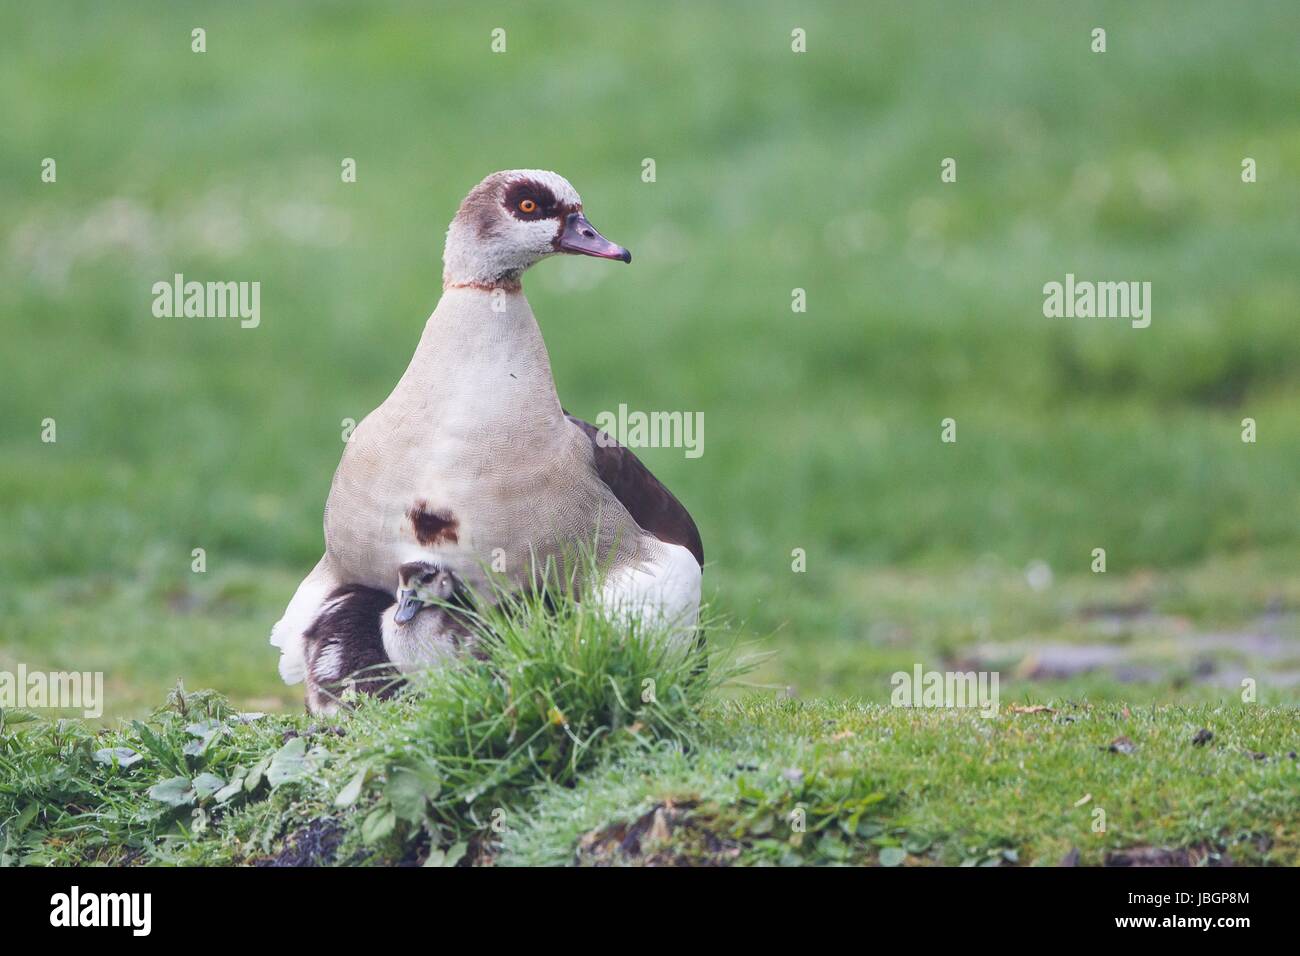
[421, 585]
[514, 219]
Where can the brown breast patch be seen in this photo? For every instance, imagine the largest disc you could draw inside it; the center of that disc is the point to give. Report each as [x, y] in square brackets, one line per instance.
[432, 526]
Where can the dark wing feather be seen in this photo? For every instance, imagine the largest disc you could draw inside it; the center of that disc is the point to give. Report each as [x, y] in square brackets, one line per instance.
[650, 504]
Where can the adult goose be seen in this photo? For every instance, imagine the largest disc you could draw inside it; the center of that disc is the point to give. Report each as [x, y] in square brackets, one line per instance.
[472, 465]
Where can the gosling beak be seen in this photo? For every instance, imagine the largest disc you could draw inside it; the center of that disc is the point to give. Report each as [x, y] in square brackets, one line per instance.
[408, 605]
[580, 237]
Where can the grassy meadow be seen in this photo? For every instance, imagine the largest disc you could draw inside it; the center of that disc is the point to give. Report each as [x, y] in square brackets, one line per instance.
[774, 171]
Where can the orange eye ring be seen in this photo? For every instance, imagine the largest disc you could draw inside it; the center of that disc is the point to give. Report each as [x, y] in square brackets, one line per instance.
[527, 206]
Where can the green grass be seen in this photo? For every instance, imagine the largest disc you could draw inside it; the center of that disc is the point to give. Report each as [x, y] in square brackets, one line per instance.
[577, 738]
[755, 781]
[775, 171]
[557, 689]
[945, 787]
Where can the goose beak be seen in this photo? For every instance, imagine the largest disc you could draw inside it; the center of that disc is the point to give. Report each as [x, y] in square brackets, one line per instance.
[580, 237]
[408, 605]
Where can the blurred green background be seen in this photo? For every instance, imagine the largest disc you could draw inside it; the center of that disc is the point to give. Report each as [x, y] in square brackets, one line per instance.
[775, 171]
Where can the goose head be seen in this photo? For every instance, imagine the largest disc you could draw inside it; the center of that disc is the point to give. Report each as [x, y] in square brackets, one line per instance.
[513, 219]
[422, 584]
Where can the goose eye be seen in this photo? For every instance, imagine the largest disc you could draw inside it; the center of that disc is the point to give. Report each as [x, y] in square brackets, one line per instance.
[527, 206]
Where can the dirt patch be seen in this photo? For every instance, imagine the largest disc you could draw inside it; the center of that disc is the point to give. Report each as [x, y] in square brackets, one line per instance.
[1050, 661]
[670, 834]
[316, 844]
[1154, 648]
[1233, 676]
[1162, 856]
[1269, 646]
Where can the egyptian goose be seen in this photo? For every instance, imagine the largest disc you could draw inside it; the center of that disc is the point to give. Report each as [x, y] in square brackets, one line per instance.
[472, 465]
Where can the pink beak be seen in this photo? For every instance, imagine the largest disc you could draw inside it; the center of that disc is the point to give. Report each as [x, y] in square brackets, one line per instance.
[581, 237]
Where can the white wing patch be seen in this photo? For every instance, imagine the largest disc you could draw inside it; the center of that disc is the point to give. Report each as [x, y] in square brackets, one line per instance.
[663, 591]
[302, 612]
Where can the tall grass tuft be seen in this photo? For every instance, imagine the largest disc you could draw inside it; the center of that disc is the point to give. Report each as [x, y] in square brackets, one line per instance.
[557, 685]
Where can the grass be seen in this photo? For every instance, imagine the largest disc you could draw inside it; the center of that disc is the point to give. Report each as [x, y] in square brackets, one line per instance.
[756, 781]
[557, 689]
[775, 171]
[920, 787]
[578, 738]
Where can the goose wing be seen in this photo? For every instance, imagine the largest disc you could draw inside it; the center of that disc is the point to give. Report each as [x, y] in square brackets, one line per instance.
[644, 496]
